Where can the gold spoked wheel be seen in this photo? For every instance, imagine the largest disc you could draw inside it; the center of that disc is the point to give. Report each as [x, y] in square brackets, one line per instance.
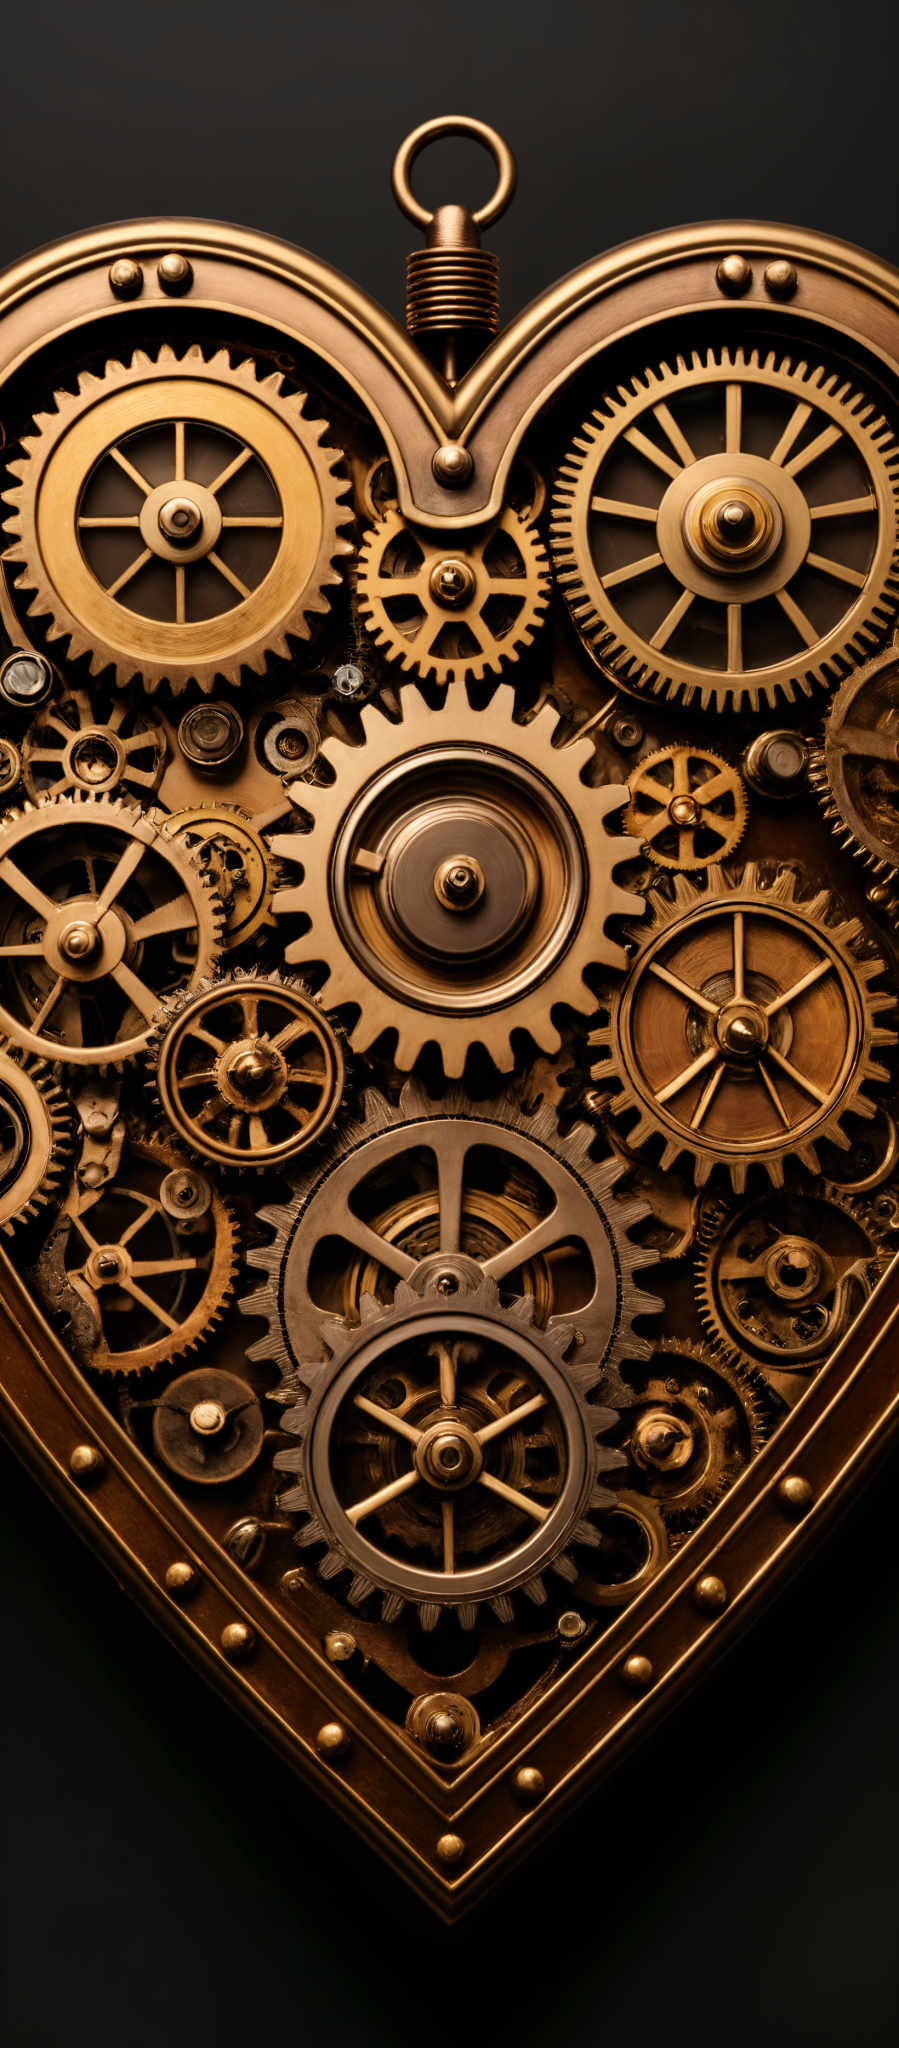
[250, 1071]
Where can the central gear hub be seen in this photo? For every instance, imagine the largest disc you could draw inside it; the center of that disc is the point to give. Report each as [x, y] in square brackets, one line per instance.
[460, 882]
[741, 1029]
[449, 1456]
[735, 523]
[661, 1441]
[452, 582]
[252, 1074]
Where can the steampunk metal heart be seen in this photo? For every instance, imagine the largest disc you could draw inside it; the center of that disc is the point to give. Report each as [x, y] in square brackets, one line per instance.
[448, 972]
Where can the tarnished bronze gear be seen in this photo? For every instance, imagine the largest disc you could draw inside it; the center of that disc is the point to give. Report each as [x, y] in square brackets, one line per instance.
[694, 1424]
[101, 915]
[474, 1422]
[747, 1027]
[687, 805]
[249, 1069]
[780, 1279]
[137, 1289]
[72, 745]
[235, 853]
[459, 877]
[208, 1426]
[453, 610]
[450, 1187]
[635, 1544]
[178, 518]
[740, 554]
[35, 1139]
[855, 772]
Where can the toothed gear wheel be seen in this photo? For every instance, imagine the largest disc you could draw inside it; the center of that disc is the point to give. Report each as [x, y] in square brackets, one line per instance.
[423, 1186]
[136, 1287]
[688, 806]
[693, 1426]
[35, 1140]
[458, 877]
[249, 1070]
[235, 853]
[453, 612]
[177, 519]
[780, 1279]
[725, 529]
[74, 745]
[855, 772]
[448, 1452]
[101, 916]
[747, 1027]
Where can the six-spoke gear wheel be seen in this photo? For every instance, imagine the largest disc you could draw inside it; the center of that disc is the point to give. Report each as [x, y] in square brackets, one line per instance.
[747, 1027]
[35, 1139]
[725, 528]
[453, 612]
[687, 805]
[177, 518]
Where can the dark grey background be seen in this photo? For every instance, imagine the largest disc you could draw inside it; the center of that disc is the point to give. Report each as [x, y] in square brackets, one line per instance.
[165, 1880]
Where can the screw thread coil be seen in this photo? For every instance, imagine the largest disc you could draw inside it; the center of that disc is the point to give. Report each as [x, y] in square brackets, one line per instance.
[449, 289]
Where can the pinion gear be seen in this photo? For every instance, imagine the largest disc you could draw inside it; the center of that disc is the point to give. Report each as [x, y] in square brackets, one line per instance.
[453, 613]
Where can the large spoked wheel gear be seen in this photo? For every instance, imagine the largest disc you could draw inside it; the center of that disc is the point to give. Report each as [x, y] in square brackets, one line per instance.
[855, 772]
[177, 519]
[449, 1452]
[459, 878]
[101, 916]
[35, 1140]
[453, 613]
[725, 529]
[747, 1027]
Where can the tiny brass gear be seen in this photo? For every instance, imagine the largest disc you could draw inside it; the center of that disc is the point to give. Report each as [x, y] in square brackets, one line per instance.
[855, 772]
[725, 529]
[249, 1070]
[72, 746]
[208, 1426]
[137, 1289]
[694, 1424]
[35, 1139]
[177, 518]
[449, 1452]
[235, 854]
[747, 1027]
[101, 916]
[453, 612]
[687, 805]
[781, 1279]
[422, 1186]
[458, 877]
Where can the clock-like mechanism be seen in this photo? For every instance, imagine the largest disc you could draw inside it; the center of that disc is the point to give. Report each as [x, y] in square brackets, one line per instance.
[448, 967]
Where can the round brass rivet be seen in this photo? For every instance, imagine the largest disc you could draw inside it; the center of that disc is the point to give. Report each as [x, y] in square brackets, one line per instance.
[530, 1784]
[781, 279]
[710, 1593]
[796, 1494]
[125, 278]
[332, 1740]
[86, 1463]
[734, 276]
[453, 465]
[450, 1848]
[175, 274]
[340, 1646]
[638, 1673]
[180, 1576]
[570, 1627]
[237, 1639]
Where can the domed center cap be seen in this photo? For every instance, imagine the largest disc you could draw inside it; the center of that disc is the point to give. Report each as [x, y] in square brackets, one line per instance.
[452, 583]
[448, 1456]
[207, 1418]
[180, 519]
[79, 941]
[661, 1442]
[733, 524]
[459, 882]
[741, 1029]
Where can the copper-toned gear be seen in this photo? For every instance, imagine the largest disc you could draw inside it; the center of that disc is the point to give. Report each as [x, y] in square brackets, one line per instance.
[725, 528]
[448, 1451]
[694, 1424]
[249, 1070]
[73, 745]
[855, 771]
[453, 611]
[459, 877]
[137, 1286]
[177, 518]
[687, 805]
[781, 1279]
[234, 852]
[747, 1027]
[101, 915]
[35, 1139]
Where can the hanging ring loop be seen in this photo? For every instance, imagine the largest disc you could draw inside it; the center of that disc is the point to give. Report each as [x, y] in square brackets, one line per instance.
[437, 130]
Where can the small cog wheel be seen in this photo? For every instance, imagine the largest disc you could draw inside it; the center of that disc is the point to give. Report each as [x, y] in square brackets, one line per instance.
[694, 1424]
[73, 745]
[747, 1027]
[35, 1139]
[452, 613]
[725, 528]
[208, 1427]
[855, 772]
[177, 518]
[249, 1070]
[236, 855]
[688, 806]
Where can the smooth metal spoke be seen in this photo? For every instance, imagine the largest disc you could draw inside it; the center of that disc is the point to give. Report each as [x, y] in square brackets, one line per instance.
[644, 446]
[799, 987]
[839, 570]
[807, 632]
[380, 1499]
[690, 995]
[514, 1497]
[448, 1526]
[130, 471]
[620, 508]
[509, 1421]
[388, 1418]
[631, 569]
[822, 442]
[809, 1087]
[140, 562]
[688, 1074]
[672, 618]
